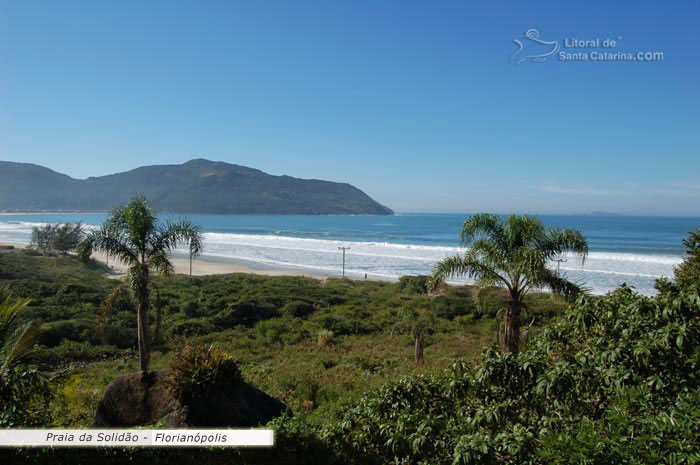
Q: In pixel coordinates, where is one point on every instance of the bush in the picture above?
(25, 396)
(73, 330)
(298, 308)
(199, 370)
(75, 351)
(279, 330)
(58, 237)
(414, 284)
(191, 309)
(615, 381)
(192, 327)
(688, 272)
(341, 325)
(246, 313)
(325, 338)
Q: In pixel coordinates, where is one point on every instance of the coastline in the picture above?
(207, 265)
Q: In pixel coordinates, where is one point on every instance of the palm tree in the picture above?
(16, 340)
(514, 253)
(416, 323)
(133, 235)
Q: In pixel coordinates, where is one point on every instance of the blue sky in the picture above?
(417, 103)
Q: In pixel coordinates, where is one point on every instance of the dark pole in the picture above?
(344, 249)
(190, 263)
(560, 261)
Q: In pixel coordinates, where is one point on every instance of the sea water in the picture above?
(623, 249)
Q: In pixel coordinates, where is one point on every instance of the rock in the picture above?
(246, 406)
(133, 400)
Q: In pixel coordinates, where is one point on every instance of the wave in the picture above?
(602, 270)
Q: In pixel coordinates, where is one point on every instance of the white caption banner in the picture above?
(137, 437)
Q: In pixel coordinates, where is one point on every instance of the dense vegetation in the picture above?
(611, 379)
(313, 344)
(57, 237)
(198, 186)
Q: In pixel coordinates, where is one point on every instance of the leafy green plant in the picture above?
(615, 381)
(687, 273)
(24, 391)
(277, 331)
(199, 369)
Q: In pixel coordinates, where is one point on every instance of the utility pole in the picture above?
(559, 261)
(343, 249)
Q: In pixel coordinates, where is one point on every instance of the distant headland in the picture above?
(197, 186)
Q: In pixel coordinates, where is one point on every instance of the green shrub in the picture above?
(192, 327)
(73, 330)
(615, 381)
(25, 395)
(278, 330)
(414, 284)
(74, 352)
(325, 338)
(298, 308)
(191, 309)
(197, 370)
(341, 325)
(246, 313)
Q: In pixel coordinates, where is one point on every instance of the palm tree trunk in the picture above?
(419, 345)
(143, 334)
(159, 305)
(511, 336)
(140, 288)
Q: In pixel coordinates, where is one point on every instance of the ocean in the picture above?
(623, 249)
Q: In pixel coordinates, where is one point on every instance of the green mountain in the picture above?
(198, 186)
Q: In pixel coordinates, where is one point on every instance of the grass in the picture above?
(271, 325)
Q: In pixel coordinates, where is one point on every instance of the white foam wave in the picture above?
(602, 271)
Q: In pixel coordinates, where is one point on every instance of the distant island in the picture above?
(605, 214)
(197, 186)
(598, 214)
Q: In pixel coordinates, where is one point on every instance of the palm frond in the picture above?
(180, 231)
(558, 284)
(160, 262)
(21, 343)
(483, 225)
(558, 241)
(467, 265)
(112, 242)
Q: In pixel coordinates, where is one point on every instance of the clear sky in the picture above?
(417, 103)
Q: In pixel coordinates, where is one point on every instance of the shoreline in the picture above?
(208, 265)
(213, 265)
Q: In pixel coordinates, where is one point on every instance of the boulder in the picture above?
(136, 399)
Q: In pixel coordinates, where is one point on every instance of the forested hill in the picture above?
(198, 186)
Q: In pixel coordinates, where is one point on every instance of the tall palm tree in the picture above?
(514, 253)
(133, 235)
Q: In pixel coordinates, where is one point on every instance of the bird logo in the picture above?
(532, 48)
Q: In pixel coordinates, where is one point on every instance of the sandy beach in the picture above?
(201, 266)
(208, 265)
(204, 265)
